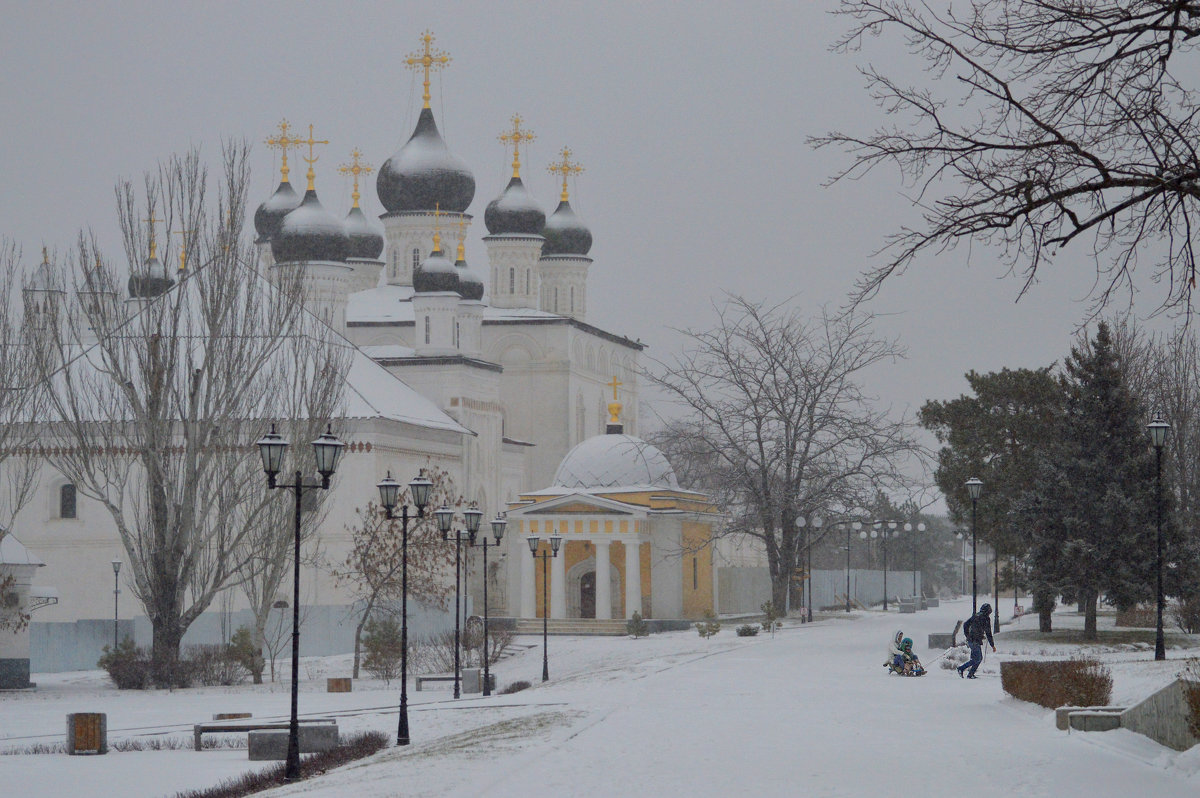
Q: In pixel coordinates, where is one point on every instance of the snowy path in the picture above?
(810, 712)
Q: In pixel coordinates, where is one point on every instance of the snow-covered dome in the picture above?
(44, 278)
(436, 273)
(310, 233)
(365, 241)
(424, 174)
(514, 211)
(152, 280)
(565, 233)
(270, 214)
(615, 461)
(470, 284)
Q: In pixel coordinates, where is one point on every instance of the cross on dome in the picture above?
(428, 60)
(153, 244)
(311, 159)
(515, 137)
(356, 168)
(565, 168)
(183, 234)
(437, 227)
(283, 142)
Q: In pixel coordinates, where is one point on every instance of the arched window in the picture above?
(512, 281)
(456, 335)
(556, 299)
(66, 501)
(426, 329)
(527, 281)
(416, 259)
(396, 263)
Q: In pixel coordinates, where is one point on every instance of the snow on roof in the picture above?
(615, 461)
(392, 304)
(13, 552)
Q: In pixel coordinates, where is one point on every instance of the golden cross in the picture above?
(565, 168)
(462, 237)
(614, 384)
(283, 142)
(311, 159)
(428, 60)
(183, 247)
(515, 137)
(153, 243)
(355, 168)
(45, 256)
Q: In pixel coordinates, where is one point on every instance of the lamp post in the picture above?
(851, 527)
(996, 589)
(389, 494)
(498, 525)
(445, 521)
(555, 542)
(116, 564)
(803, 523)
(1158, 436)
(974, 490)
(327, 449)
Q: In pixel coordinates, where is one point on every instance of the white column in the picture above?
(633, 577)
(558, 583)
(603, 585)
(528, 583)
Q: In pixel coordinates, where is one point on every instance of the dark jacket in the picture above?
(977, 626)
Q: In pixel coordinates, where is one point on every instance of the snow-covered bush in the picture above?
(381, 647)
(128, 666)
(709, 626)
(747, 630)
(515, 687)
(1079, 682)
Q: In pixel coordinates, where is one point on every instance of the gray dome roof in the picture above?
(424, 174)
(310, 233)
(436, 273)
(470, 283)
(270, 214)
(514, 211)
(565, 233)
(365, 241)
(151, 281)
(615, 461)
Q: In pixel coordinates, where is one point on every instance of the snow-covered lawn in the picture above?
(808, 712)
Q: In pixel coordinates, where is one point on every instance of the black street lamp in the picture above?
(851, 527)
(974, 490)
(327, 450)
(389, 494)
(116, 564)
(1158, 436)
(996, 589)
(498, 525)
(803, 523)
(555, 542)
(908, 529)
(445, 522)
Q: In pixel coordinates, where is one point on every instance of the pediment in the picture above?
(578, 504)
(577, 507)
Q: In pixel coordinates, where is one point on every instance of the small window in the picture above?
(426, 329)
(455, 335)
(572, 299)
(556, 300)
(695, 574)
(395, 264)
(527, 281)
(416, 259)
(512, 281)
(66, 501)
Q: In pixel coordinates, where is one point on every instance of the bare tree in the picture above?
(156, 403)
(20, 405)
(1039, 124)
(372, 570)
(776, 423)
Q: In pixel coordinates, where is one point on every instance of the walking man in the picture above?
(975, 628)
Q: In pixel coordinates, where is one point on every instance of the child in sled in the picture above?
(905, 662)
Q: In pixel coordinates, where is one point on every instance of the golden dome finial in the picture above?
(428, 60)
(45, 255)
(565, 168)
(614, 407)
(462, 237)
(355, 168)
(515, 137)
(437, 227)
(153, 243)
(183, 234)
(311, 159)
(284, 141)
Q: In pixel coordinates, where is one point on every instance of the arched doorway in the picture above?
(587, 595)
(581, 590)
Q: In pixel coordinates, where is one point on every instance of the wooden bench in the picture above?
(200, 729)
(422, 679)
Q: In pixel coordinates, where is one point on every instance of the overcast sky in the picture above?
(690, 119)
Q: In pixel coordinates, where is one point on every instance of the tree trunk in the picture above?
(358, 630)
(164, 657)
(1043, 602)
(1089, 618)
(260, 635)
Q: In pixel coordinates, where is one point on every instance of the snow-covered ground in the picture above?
(808, 712)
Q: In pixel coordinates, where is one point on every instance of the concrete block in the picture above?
(931, 603)
(941, 641)
(273, 745)
(1094, 720)
(472, 680)
(87, 733)
(1061, 715)
(907, 607)
(1163, 717)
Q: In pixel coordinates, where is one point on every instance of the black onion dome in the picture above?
(365, 241)
(566, 233)
(514, 211)
(310, 233)
(424, 174)
(436, 273)
(470, 283)
(270, 214)
(151, 281)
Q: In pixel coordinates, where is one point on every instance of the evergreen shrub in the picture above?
(381, 648)
(128, 666)
(637, 627)
(1077, 682)
(747, 630)
(709, 626)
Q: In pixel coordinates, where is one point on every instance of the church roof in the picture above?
(615, 461)
(13, 552)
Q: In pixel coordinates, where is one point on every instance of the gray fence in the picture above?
(324, 630)
(744, 590)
